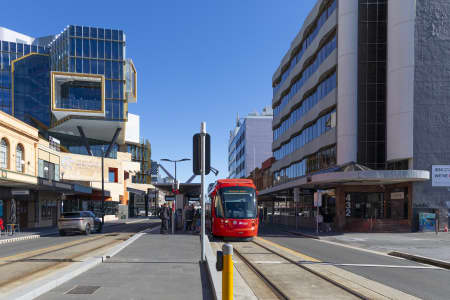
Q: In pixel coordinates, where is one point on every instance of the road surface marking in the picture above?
(385, 266)
(268, 262)
(296, 253)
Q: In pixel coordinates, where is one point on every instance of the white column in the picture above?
(400, 79)
(347, 103)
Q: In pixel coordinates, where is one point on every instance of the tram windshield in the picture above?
(237, 203)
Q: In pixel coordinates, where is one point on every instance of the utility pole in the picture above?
(103, 190)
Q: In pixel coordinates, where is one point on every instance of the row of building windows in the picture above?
(96, 48)
(4, 156)
(322, 125)
(306, 43)
(114, 110)
(20, 49)
(318, 161)
(5, 100)
(111, 69)
(323, 89)
(323, 53)
(96, 33)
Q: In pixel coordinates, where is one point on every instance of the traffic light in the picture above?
(197, 152)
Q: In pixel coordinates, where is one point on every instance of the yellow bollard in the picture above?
(227, 273)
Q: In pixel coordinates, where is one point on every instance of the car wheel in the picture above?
(62, 233)
(87, 230)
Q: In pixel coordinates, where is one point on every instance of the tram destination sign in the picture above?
(440, 175)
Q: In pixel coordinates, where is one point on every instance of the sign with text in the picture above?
(440, 175)
(397, 195)
(318, 199)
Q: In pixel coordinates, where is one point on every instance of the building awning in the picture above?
(82, 189)
(361, 177)
(135, 191)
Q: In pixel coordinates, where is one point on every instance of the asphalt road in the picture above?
(397, 273)
(55, 239)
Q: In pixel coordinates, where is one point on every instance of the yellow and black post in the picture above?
(227, 273)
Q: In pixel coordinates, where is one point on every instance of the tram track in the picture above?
(25, 266)
(269, 272)
(339, 285)
(275, 290)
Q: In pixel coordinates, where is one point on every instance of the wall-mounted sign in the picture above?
(317, 199)
(397, 195)
(348, 206)
(440, 175)
(20, 192)
(296, 194)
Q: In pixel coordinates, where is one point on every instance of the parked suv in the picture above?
(79, 221)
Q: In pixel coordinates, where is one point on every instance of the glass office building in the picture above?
(60, 83)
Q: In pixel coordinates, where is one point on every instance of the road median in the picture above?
(421, 259)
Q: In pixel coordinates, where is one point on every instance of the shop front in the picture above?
(375, 208)
(357, 200)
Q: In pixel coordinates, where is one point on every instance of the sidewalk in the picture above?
(426, 244)
(35, 233)
(153, 267)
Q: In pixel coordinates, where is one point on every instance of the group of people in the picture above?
(191, 218)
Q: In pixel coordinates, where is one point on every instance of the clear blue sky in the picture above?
(196, 60)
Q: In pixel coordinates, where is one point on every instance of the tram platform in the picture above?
(154, 266)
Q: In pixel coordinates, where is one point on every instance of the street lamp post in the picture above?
(173, 207)
(103, 188)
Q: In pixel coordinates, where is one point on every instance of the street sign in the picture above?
(318, 199)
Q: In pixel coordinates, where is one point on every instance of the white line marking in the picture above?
(268, 262)
(387, 266)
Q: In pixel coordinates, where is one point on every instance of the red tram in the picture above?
(233, 209)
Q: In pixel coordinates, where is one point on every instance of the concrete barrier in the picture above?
(213, 274)
(422, 259)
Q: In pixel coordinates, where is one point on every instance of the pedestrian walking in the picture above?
(164, 215)
(197, 220)
(190, 217)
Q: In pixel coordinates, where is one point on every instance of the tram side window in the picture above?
(218, 206)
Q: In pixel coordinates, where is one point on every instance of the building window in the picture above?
(4, 155)
(372, 38)
(19, 159)
(112, 175)
(48, 170)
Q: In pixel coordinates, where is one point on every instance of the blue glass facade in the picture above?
(98, 54)
(31, 89)
(91, 50)
(10, 51)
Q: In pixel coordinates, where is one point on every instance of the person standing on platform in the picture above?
(190, 217)
(164, 215)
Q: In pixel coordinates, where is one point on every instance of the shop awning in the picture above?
(135, 191)
(360, 177)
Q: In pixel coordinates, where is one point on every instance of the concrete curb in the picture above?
(22, 238)
(422, 259)
(212, 272)
(41, 286)
(36, 236)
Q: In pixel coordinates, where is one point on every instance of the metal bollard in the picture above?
(227, 273)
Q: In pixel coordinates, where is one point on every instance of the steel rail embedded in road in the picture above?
(48, 263)
(339, 285)
(266, 280)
